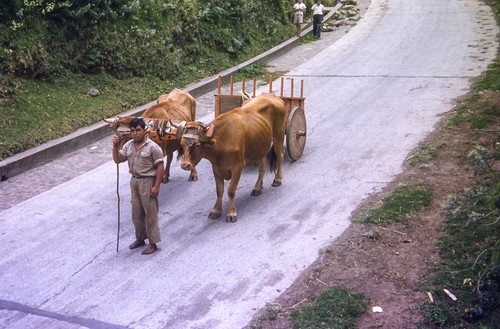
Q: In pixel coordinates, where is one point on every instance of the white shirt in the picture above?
(299, 5)
(318, 9)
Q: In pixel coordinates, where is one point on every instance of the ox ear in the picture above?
(209, 130)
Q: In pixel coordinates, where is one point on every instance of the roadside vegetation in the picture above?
(470, 249)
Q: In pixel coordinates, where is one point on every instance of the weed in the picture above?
(424, 154)
(308, 38)
(271, 313)
(479, 158)
(480, 121)
(254, 71)
(460, 115)
(457, 120)
(492, 111)
(435, 314)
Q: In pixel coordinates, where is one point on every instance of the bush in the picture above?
(43, 38)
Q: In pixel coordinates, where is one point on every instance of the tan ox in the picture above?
(177, 105)
(235, 139)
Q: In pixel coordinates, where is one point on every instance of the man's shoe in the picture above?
(151, 248)
(137, 244)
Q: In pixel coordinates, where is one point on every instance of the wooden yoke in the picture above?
(159, 129)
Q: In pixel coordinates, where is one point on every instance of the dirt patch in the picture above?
(389, 264)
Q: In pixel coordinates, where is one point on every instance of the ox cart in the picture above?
(295, 131)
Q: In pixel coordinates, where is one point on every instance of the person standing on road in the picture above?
(317, 10)
(299, 9)
(145, 162)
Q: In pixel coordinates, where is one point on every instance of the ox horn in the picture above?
(180, 129)
(245, 96)
(113, 123)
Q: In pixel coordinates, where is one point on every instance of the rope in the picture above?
(118, 198)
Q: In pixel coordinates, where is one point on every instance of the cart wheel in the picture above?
(296, 133)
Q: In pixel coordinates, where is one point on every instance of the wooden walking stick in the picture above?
(118, 195)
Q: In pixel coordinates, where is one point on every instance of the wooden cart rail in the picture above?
(227, 102)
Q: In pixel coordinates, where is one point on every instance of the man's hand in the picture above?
(116, 140)
(155, 191)
(115, 152)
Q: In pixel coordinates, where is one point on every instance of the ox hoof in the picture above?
(276, 183)
(214, 214)
(164, 180)
(231, 219)
(256, 192)
(193, 178)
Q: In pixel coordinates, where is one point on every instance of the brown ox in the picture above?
(177, 105)
(235, 139)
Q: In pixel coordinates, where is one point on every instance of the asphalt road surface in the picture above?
(370, 98)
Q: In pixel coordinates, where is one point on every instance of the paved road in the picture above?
(370, 98)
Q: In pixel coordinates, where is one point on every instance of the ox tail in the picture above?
(272, 158)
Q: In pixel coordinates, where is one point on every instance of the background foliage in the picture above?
(44, 38)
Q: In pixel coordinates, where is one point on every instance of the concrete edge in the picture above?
(84, 136)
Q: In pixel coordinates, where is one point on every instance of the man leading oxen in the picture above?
(235, 139)
(177, 105)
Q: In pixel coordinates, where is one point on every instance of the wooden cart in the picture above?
(296, 131)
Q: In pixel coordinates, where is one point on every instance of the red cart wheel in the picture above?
(296, 133)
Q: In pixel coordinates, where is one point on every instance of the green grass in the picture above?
(333, 309)
(491, 79)
(403, 201)
(44, 110)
